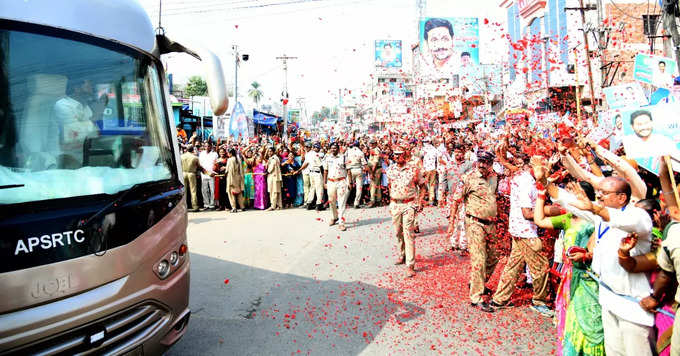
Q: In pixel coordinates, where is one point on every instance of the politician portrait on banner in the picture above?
(449, 46)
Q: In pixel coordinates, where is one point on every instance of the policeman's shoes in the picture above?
(483, 306)
(400, 260)
(502, 306)
(410, 271)
(332, 222)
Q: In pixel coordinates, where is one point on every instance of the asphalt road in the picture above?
(285, 283)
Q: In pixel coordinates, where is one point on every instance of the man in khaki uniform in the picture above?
(374, 174)
(274, 180)
(335, 178)
(356, 162)
(313, 163)
(405, 179)
(190, 166)
(478, 192)
(235, 181)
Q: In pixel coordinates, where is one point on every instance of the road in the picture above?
(285, 283)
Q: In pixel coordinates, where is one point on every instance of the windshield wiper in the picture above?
(8, 186)
(114, 203)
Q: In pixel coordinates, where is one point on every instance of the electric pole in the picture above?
(236, 60)
(582, 8)
(285, 59)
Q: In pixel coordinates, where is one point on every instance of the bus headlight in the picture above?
(174, 257)
(163, 268)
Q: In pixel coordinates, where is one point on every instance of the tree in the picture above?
(196, 86)
(255, 93)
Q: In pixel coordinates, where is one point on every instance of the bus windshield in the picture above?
(78, 118)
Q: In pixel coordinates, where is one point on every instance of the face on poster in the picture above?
(655, 70)
(449, 44)
(628, 94)
(388, 53)
(650, 132)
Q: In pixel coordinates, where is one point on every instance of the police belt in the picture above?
(314, 171)
(483, 221)
(337, 179)
(403, 201)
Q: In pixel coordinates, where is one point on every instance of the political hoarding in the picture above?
(619, 96)
(650, 132)
(220, 127)
(655, 70)
(238, 122)
(449, 46)
(388, 53)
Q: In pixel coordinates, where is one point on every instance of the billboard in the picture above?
(655, 70)
(623, 95)
(650, 132)
(388, 53)
(449, 46)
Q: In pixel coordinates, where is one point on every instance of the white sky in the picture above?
(333, 39)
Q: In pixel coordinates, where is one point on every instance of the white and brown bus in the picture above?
(93, 249)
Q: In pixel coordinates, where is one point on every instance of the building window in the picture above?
(650, 23)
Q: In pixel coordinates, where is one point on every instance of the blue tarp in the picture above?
(261, 118)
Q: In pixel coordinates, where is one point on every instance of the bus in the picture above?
(93, 218)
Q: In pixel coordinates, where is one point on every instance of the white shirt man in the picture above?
(207, 159)
(313, 164)
(429, 157)
(526, 246)
(522, 195)
(626, 324)
(75, 120)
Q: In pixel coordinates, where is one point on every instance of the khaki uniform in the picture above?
(274, 181)
(356, 162)
(315, 178)
(189, 167)
(375, 173)
(479, 196)
(404, 182)
(235, 182)
(338, 190)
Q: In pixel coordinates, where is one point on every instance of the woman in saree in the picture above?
(220, 168)
(578, 311)
(288, 169)
(249, 192)
(300, 196)
(260, 184)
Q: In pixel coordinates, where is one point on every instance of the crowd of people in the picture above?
(593, 234)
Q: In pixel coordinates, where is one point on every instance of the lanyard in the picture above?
(600, 232)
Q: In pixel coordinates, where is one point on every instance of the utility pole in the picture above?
(285, 59)
(582, 8)
(236, 60)
(670, 11)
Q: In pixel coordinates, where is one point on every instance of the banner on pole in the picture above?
(238, 122)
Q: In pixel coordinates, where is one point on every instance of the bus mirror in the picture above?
(214, 78)
(212, 68)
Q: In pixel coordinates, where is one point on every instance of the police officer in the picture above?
(335, 181)
(405, 178)
(356, 163)
(190, 166)
(478, 193)
(313, 163)
(374, 173)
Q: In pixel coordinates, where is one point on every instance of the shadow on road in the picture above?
(372, 221)
(262, 312)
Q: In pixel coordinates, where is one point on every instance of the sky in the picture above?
(333, 40)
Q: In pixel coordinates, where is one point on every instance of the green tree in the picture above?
(196, 86)
(255, 93)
